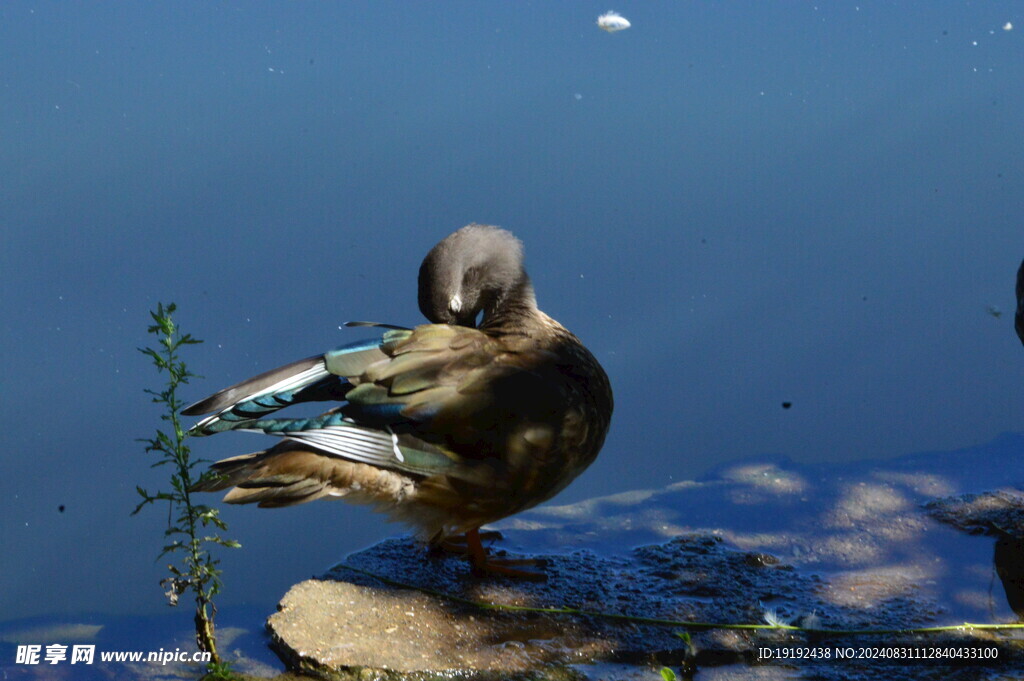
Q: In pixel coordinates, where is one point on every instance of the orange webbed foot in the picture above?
(483, 564)
(459, 543)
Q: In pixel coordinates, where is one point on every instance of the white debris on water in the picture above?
(612, 22)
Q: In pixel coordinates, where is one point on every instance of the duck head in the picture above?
(478, 268)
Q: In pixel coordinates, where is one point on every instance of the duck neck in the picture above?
(513, 306)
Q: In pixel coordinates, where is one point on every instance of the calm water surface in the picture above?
(735, 205)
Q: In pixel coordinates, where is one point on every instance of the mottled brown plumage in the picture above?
(445, 427)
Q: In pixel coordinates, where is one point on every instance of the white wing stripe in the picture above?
(351, 442)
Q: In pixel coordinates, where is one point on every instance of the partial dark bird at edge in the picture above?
(1019, 320)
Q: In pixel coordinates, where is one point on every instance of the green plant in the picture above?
(186, 520)
(220, 671)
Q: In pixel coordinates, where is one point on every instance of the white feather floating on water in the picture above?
(612, 22)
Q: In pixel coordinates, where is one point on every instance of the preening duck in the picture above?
(447, 426)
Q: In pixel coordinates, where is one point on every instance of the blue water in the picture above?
(734, 205)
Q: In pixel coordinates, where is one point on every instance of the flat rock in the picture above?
(996, 514)
(349, 620)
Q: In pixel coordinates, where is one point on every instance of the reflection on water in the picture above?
(240, 637)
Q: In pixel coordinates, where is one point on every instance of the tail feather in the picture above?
(274, 496)
(289, 474)
(275, 477)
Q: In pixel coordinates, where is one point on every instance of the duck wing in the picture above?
(421, 401)
(318, 378)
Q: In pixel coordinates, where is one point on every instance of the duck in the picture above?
(489, 409)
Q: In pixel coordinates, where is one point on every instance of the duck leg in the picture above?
(459, 543)
(483, 564)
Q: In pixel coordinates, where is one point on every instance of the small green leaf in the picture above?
(668, 674)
